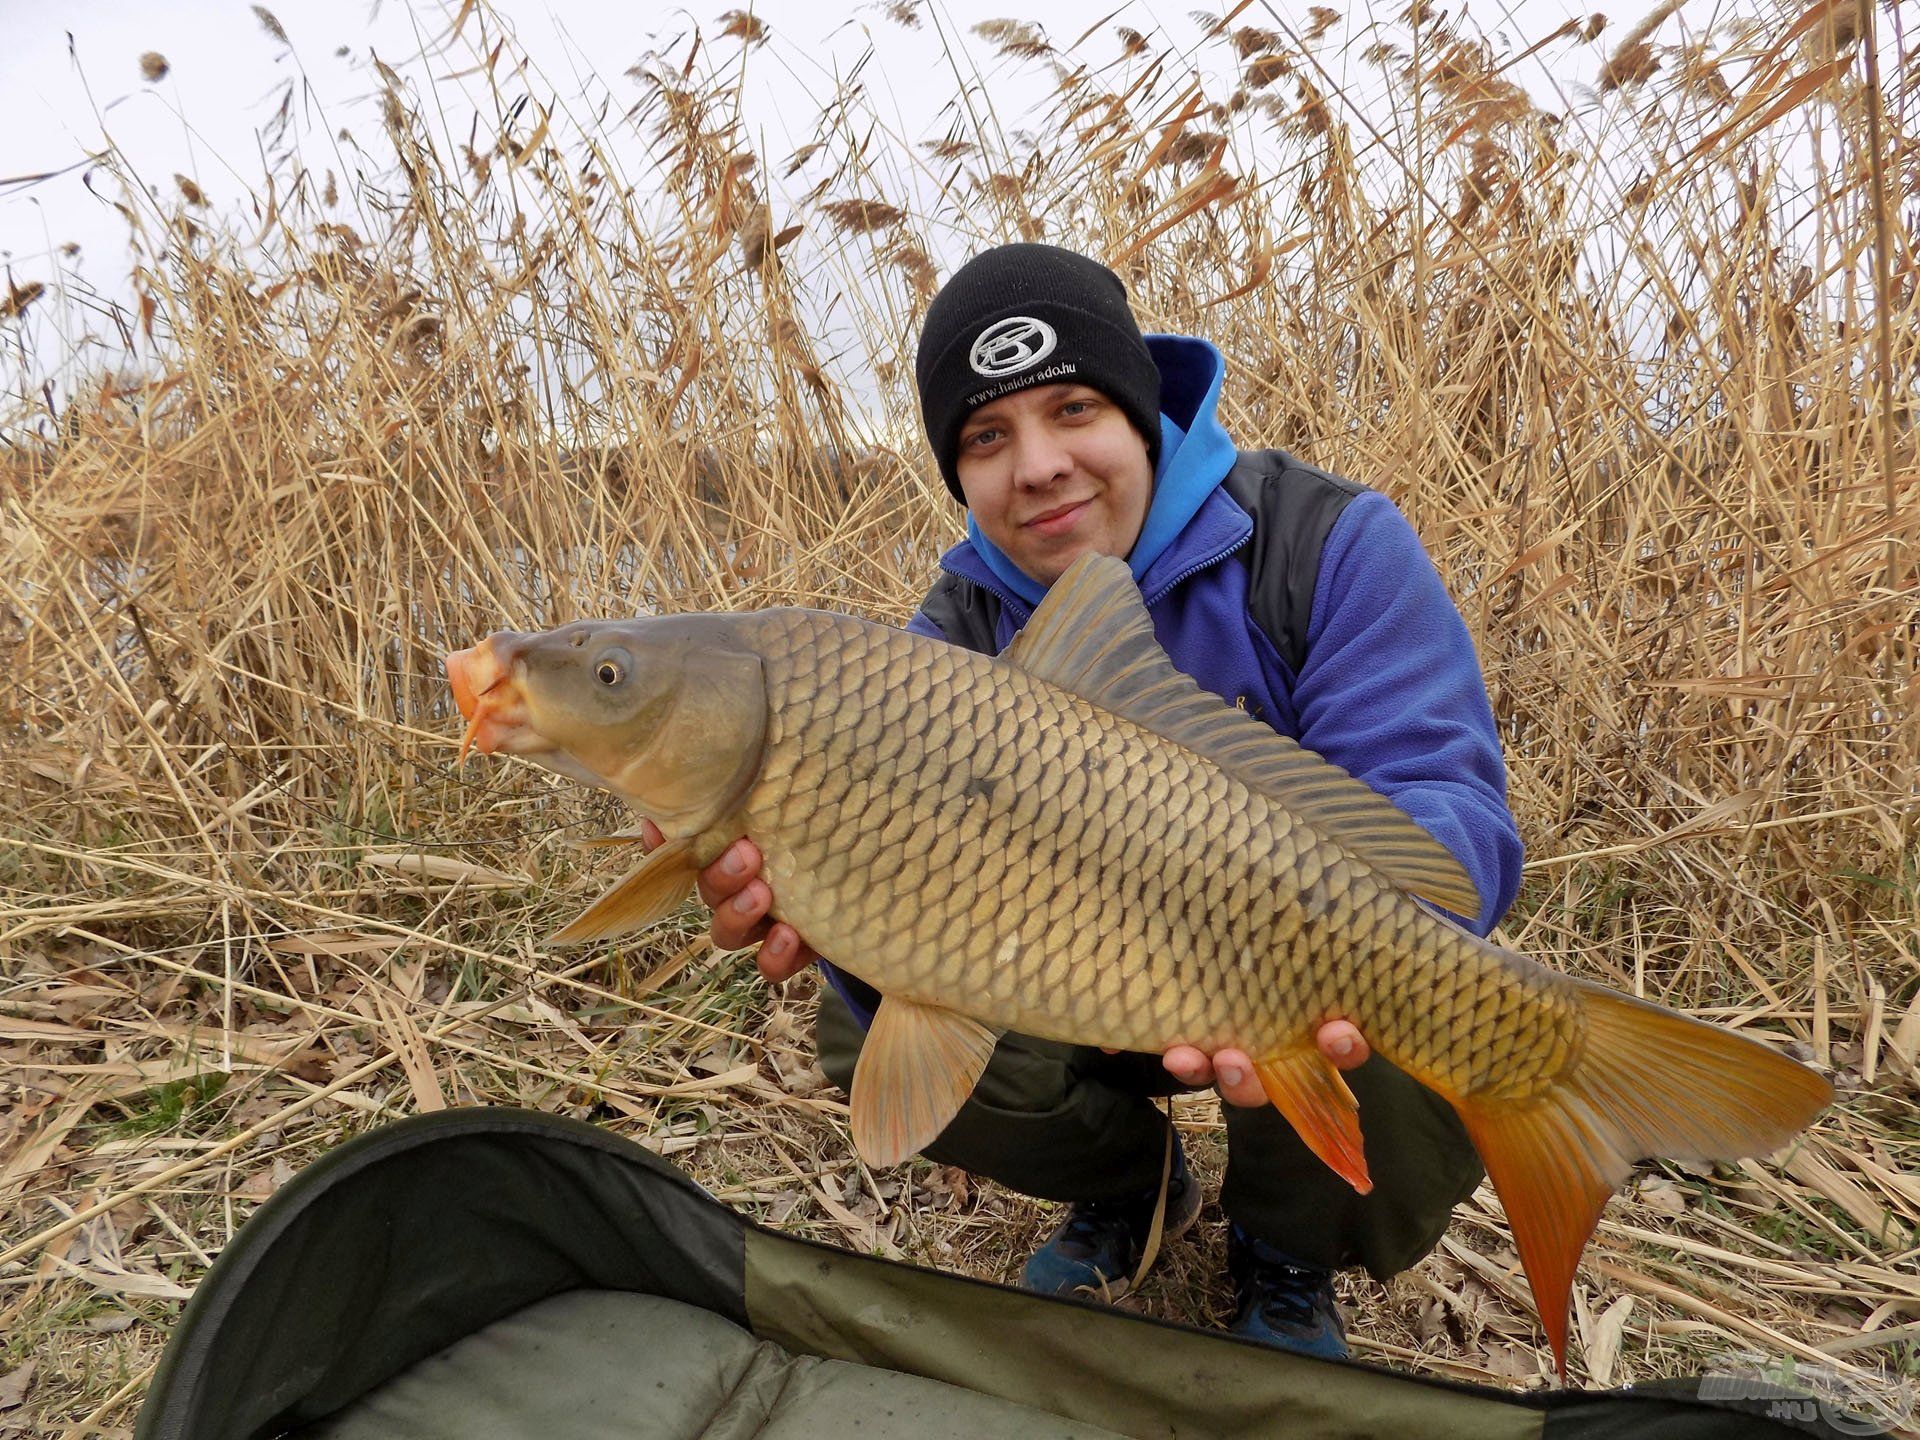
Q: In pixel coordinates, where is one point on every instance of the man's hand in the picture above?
(740, 900)
(1232, 1070)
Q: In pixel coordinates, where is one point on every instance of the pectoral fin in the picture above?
(1305, 1088)
(916, 1069)
(652, 892)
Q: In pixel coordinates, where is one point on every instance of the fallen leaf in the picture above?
(1431, 1323)
(861, 1229)
(1602, 1338)
(13, 1385)
(127, 1282)
(415, 1058)
(334, 942)
(442, 867)
(1662, 1194)
(785, 1027)
(806, 1078)
(38, 1151)
(950, 1181)
(1510, 1362)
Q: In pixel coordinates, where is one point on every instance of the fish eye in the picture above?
(609, 672)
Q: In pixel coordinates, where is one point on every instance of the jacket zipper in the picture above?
(1196, 568)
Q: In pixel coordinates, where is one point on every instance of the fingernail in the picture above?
(742, 903)
(733, 865)
(1231, 1075)
(1342, 1046)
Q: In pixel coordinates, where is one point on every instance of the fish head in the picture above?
(668, 712)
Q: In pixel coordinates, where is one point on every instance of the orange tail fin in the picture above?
(1648, 1082)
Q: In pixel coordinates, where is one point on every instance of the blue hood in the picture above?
(1195, 456)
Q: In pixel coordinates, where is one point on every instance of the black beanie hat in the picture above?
(1023, 315)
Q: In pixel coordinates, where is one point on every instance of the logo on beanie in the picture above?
(1009, 346)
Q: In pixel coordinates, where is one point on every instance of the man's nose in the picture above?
(1038, 458)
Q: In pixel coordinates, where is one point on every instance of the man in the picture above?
(1301, 597)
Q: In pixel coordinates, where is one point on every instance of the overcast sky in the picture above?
(72, 76)
(202, 118)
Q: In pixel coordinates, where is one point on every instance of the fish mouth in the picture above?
(489, 700)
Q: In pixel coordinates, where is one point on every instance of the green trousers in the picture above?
(1066, 1122)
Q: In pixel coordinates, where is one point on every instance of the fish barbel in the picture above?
(1074, 841)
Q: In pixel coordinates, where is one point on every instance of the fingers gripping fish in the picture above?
(1074, 841)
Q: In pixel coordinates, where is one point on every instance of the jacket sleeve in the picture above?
(1391, 692)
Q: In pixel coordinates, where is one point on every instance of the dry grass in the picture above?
(1642, 374)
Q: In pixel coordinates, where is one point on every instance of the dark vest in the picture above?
(1293, 506)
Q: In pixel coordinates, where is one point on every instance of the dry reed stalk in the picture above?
(1639, 393)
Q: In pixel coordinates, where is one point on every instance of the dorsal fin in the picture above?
(1092, 635)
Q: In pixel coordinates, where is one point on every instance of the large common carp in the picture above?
(1074, 841)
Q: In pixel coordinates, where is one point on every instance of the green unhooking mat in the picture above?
(499, 1274)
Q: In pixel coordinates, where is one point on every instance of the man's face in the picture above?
(1054, 473)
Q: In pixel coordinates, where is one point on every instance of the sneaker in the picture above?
(1282, 1302)
(1097, 1247)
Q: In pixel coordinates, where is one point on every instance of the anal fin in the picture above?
(654, 890)
(917, 1068)
(1304, 1087)
(1553, 1193)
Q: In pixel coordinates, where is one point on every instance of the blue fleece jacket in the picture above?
(1390, 689)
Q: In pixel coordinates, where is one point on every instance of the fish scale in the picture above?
(1108, 857)
(1072, 840)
